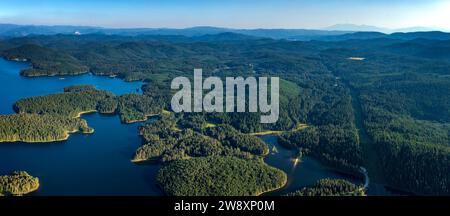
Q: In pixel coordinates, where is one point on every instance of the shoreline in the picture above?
(151, 160)
(66, 134)
(298, 127)
(79, 114)
(31, 190)
(52, 75)
(140, 120)
(277, 188)
(66, 137)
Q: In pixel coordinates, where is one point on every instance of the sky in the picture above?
(310, 14)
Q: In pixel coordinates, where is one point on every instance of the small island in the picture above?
(18, 183)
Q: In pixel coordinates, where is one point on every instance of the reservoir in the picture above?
(99, 163)
(92, 164)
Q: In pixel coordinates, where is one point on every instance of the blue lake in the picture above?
(99, 163)
(14, 87)
(95, 164)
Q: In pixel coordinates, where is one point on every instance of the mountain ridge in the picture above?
(203, 33)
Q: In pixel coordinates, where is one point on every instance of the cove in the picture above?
(95, 164)
(14, 87)
(305, 173)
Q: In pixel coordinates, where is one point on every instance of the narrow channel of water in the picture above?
(304, 173)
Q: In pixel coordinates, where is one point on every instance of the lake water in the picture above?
(99, 163)
(14, 87)
(94, 164)
(304, 173)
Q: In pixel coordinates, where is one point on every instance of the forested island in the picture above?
(377, 102)
(18, 184)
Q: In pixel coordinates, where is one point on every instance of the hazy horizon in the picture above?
(247, 14)
(211, 26)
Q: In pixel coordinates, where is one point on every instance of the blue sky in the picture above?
(228, 13)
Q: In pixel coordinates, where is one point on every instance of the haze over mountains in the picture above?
(369, 28)
(332, 33)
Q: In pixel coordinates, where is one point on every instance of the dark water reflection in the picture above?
(95, 164)
(304, 173)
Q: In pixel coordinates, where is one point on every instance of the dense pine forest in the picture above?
(225, 176)
(39, 128)
(166, 141)
(398, 87)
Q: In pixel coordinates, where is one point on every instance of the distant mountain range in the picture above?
(430, 35)
(25, 30)
(368, 28)
(203, 33)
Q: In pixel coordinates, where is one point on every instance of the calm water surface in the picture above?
(304, 173)
(99, 163)
(95, 164)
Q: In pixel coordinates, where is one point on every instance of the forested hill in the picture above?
(45, 61)
(136, 57)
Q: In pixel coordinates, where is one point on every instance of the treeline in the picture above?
(39, 128)
(330, 187)
(18, 184)
(219, 176)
